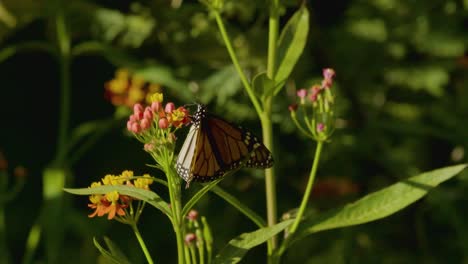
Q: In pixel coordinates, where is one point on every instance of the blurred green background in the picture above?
(402, 94)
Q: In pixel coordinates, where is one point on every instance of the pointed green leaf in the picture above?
(380, 204)
(249, 213)
(291, 44)
(108, 255)
(262, 85)
(235, 250)
(142, 194)
(195, 198)
(115, 250)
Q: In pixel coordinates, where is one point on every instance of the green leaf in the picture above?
(258, 220)
(291, 44)
(235, 250)
(263, 86)
(115, 250)
(108, 255)
(195, 198)
(207, 235)
(142, 194)
(379, 204)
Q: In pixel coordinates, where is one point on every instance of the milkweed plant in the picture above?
(124, 197)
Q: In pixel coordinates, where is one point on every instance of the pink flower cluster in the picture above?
(315, 90)
(141, 118)
(166, 117)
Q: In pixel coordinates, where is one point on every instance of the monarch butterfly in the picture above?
(214, 146)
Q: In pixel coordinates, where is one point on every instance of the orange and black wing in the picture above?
(215, 146)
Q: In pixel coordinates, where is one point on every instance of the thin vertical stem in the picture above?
(177, 224)
(308, 190)
(278, 253)
(235, 61)
(270, 181)
(64, 44)
(267, 129)
(142, 243)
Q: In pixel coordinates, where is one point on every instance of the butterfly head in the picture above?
(199, 114)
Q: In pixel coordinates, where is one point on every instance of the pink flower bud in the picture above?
(156, 106)
(169, 107)
(145, 123)
(192, 215)
(129, 125)
(163, 123)
(302, 93)
(320, 127)
(135, 128)
(189, 238)
(133, 118)
(328, 73)
(314, 92)
(138, 108)
(327, 83)
(292, 108)
(148, 114)
(148, 147)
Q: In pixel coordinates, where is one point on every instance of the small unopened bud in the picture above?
(156, 106)
(320, 127)
(148, 114)
(163, 123)
(148, 147)
(192, 215)
(328, 73)
(138, 109)
(169, 107)
(190, 238)
(292, 108)
(145, 123)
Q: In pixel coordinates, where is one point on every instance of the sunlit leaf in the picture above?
(291, 44)
(141, 194)
(235, 250)
(108, 255)
(379, 204)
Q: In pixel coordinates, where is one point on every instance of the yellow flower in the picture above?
(127, 173)
(95, 198)
(112, 197)
(110, 179)
(95, 184)
(143, 182)
(153, 88)
(157, 97)
(177, 115)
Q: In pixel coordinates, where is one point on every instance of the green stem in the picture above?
(273, 30)
(177, 221)
(308, 191)
(232, 54)
(142, 243)
(270, 182)
(63, 40)
(267, 129)
(32, 242)
(278, 253)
